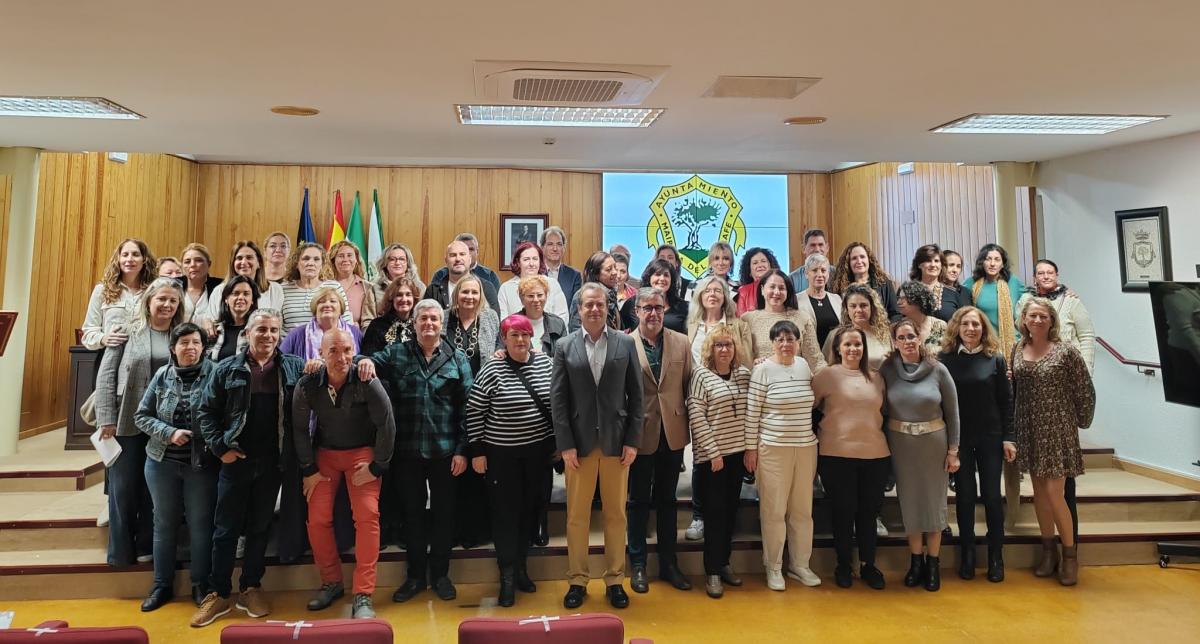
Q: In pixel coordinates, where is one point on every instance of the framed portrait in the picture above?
(1144, 243)
(517, 228)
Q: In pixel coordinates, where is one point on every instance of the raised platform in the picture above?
(42, 465)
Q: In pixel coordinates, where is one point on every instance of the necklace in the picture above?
(470, 338)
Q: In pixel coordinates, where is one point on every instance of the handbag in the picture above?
(87, 411)
(533, 394)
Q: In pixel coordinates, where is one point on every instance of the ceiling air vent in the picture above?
(549, 83)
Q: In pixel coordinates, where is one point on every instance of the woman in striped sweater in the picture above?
(717, 417)
(511, 438)
(781, 447)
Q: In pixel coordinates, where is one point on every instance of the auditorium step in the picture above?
(42, 465)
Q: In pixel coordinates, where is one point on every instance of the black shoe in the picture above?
(966, 561)
(995, 571)
(508, 590)
(638, 580)
(408, 590)
(617, 597)
(541, 537)
(199, 592)
(871, 576)
(326, 595)
(843, 577)
(915, 574)
(575, 596)
(524, 583)
(158, 596)
(933, 574)
(728, 578)
(445, 589)
(947, 532)
(674, 576)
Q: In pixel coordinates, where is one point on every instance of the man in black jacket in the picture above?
(458, 264)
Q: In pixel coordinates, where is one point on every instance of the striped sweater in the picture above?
(779, 406)
(296, 308)
(717, 413)
(500, 411)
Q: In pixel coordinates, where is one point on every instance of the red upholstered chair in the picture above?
(53, 632)
(595, 628)
(321, 631)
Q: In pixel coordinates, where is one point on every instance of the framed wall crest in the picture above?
(1144, 244)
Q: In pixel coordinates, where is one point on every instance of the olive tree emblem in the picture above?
(703, 213)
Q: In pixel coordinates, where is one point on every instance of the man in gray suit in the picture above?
(596, 401)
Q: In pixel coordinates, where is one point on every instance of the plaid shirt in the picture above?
(429, 399)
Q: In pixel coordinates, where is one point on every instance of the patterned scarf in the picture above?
(1004, 313)
(1058, 292)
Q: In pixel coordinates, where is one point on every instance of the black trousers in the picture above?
(983, 455)
(1069, 493)
(854, 487)
(514, 479)
(720, 492)
(653, 479)
(472, 509)
(430, 535)
(246, 491)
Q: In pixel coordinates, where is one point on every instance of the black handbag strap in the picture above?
(532, 393)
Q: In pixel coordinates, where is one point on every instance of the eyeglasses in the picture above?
(722, 346)
(908, 338)
(784, 339)
(653, 308)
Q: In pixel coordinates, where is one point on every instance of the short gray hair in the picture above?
(429, 303)
(263, 313)
(553, 230)
(647, 292)
(815, 260)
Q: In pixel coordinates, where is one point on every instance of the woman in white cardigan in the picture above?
(527, 261)
(821, 305)
(1075, 325)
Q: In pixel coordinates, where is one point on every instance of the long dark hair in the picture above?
(226, 314)
(789, 303)
(979, 273)
(663, 266)
(744, 267)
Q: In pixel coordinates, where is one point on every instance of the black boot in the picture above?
(933, 574)
(508, 589)
(966, 561)
(542, 537)
(915, 571)
(995, 572)
(524, 583)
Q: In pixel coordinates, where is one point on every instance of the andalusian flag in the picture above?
(375, 236)
(354, 231)
(337, 227)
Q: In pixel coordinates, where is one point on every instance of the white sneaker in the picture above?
(805, 576)
(695, 531)
(145, 558)
(880, 529)
(102, 518)
(240, 552)
(775, 580)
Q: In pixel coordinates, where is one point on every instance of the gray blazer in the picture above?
(489, 334)
(589, 416)
(121, 381)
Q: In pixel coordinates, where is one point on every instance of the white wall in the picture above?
(1079, 197)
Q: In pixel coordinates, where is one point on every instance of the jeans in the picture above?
(130, 509)
(653, 479)
(984, 455)
(854, 488)
(246, 492)
(178, 489)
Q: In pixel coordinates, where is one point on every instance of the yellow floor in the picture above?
(1111, 604)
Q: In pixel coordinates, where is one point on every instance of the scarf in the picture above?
(1059, 291)
(313, 334)
(1004, 313)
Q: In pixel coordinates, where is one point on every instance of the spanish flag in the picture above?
(337, 227)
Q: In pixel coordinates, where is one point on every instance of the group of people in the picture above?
(387, 410)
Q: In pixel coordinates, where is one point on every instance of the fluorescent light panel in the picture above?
(1044, 123)
(545, 115)
(76, 107)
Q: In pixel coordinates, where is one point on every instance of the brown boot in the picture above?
(1049, 562)
(1068, 572)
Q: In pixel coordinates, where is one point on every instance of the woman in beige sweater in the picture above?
(777, 302)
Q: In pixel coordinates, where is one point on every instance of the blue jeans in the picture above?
(130, 510)
(176, 489)
(246, 491)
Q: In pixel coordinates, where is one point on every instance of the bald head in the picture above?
(337, 350)
(458, 259)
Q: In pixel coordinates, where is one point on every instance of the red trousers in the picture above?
(364, 503)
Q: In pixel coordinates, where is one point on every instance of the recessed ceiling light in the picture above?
(77, 107)
(292, 110)
(805, 120)
(1044, 123)
(545, 115)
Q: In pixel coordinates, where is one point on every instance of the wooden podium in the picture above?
(82, 381)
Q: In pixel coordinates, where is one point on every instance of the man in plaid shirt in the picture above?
(428, 382)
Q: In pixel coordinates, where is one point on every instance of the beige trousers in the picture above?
(596, 468)
(785, 499)
(1012, 494)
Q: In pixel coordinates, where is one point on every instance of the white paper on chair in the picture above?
(108, 448)
(6, 619)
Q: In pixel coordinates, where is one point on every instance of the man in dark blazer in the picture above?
(596, 401)
(458, 263)
(554, 249)
(665, 359)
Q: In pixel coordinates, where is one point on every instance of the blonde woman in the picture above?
(348, 271)
(170, 267)
(113, 301)
(712, 305)
(397, 261)
(308, 270)
(278, 247)
(125, 371)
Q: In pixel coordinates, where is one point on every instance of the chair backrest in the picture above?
(321, 631)
(58, 631)
(596, 628)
